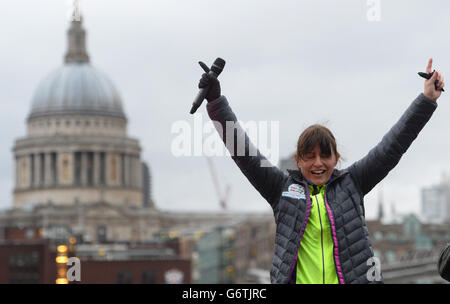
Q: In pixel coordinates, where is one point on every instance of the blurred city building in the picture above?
(436, 202)
(407, 247)
(229, 250)
(36, 262)
(213, 248)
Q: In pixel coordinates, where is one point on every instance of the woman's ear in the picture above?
(297, 160)
(338, 157)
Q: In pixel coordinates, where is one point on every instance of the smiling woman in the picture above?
(317, 154)
(321, 235)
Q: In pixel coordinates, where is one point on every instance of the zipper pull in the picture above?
(315, 190)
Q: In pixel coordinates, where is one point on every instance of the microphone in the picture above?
(215, 71)
(428, 76)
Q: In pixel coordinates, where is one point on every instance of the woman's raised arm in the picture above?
(372, 168)
(268, 180)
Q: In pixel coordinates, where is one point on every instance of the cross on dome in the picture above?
(76, 14)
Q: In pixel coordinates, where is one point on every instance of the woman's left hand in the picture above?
(431, 91)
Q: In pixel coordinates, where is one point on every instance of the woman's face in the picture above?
(317, 167)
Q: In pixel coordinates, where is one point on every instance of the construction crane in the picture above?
(223, 199)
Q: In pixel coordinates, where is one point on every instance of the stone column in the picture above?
(103, 173)
(65, 168)
(127, 170)
(17, 172)
(96, 165)
(74, 167)
(114, 166)
(30, 171)
(122, 169)
(131, 171)
(24, 171)
(135, 172)
(107, 168)
(138, 172)
(47, 168)
(37, 170)
(56, 180)
(84, 168)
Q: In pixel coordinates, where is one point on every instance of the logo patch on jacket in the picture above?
(294, 191)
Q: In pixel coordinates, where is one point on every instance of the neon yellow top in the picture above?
(315, 264)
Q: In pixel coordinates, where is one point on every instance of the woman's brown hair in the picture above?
(316, 135)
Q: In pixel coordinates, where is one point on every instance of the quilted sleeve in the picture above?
(267, 179)
(371, 169)
(444, 263)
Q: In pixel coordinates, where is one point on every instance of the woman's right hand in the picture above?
(206, 80)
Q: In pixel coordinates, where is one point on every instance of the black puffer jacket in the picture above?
(444, 263)
(343, 198)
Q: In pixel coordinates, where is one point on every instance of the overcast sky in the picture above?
(296, 62)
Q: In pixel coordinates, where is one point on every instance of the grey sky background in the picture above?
(296, 62)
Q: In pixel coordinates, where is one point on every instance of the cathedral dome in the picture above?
(76, 88)
(77, 150)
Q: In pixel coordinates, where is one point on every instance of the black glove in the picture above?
(214, 89)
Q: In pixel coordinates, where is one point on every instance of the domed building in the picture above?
(76, 149)
(79, 175)
(79, 181)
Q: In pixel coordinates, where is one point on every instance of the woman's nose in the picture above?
(318, 161)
